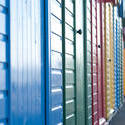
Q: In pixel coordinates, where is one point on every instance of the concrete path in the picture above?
(119, 119)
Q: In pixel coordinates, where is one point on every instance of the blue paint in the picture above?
(114, 33)
(27, 48)
(48, 63)
(54, 94)
(26, 69)
(120, 9)
(116, 55)
(4, 62)
(117, 61)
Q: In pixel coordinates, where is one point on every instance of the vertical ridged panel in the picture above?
(73, 63)
(94, 63)
(118, 61)
(117, 58)
(80, 95)
(121, 62)
(112, 92)
(115, 39)
(102, 60)
(101, 72)
(70, 64)
(27, 62)
(87, 62)
(4, 62)
(118, 55)
(107, 59)
(99, 62)
(124, 67)
(56, 94)
(101, 84)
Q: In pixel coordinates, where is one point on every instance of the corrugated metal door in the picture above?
(118, 60)
(94, 63)
(122, 56)
(87, 61)
(121, 63)
(69, 62)
(99, 62)
(55, 95)
(114, 39)
(101, 88)
(111, 45)
(124, 67)
(80, 83)
(117, 72)
(4, 62)
(108, 60)
(73, 62)
(27, 62)
(117, 56)
(102, 60)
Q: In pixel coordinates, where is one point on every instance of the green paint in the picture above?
(73, 65)
(87, 66)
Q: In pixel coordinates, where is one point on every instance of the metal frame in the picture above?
(63, 56)
(49, 94)
(97, 62)
(43, 55)
(9, 59)
(48, 61)
(86, 42)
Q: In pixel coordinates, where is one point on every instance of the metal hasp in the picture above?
(72, 46)
(79, 31)
(94, 63)
(27, 102)
(4, 63)
(87, 62)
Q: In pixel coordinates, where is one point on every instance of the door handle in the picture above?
(99, 46)
(109, 60)
(79, 31)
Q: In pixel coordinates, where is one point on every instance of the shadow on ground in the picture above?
(119, 119)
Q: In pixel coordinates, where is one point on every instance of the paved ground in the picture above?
(119, 119)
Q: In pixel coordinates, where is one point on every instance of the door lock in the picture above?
(109, 60)
(79, 31)
(99, 46)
